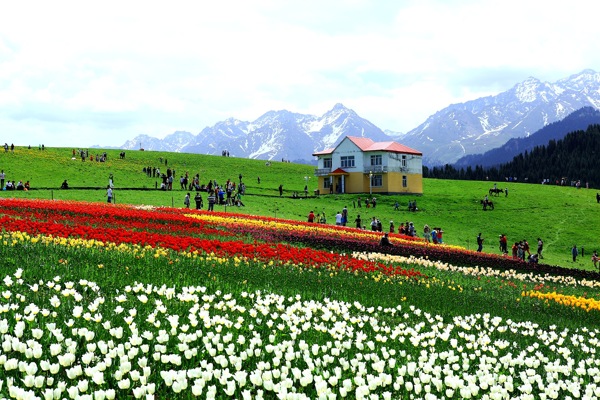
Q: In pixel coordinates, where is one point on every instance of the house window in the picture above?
(376, 160)
(404, 181)
(376, 180)
(347, 161)
(327, 163)
(403, 161)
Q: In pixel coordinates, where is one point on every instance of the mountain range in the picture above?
(449, 136)
(578, 120)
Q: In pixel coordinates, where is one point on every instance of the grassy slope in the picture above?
(562, 216)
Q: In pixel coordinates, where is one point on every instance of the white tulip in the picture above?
(124, 383)
(83, 385)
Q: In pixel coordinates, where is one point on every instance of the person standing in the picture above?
(525, 244)
(358, 222)
(109, 194)
(439, 235)
(411, 229)
(427, 233)
(595, 259)
(374, 224)
(323, 219)
(540, 248)
(503, 244)
(338, 218)
(479, 243)
(198, 200)
(344, 216)
(280, 190)
(2, 177)
(186, 201)
(574, 253)
(515, 250)
(211, 200)
(311, 216)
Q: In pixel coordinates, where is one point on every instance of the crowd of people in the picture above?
(520, 250)
(12, 185)
(228, 194)
(431, 235)
(85, 154)
(369, 202)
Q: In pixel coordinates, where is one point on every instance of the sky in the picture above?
(77, 73)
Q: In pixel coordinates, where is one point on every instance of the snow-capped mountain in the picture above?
(459, 130)
(578, 120)
(276, 135)
(486, 123)
(174, 142)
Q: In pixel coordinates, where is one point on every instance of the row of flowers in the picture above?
(588, 304)
(542, 280)
(184, 224)
(352, 239)
(72, 339)
(284, 254)
(584, 303)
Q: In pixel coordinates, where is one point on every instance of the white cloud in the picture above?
(78, 73)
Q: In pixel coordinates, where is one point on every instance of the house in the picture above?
(360, 165)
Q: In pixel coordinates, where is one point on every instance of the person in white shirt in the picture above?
(338, 218)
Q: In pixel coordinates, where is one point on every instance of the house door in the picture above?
(340, 186)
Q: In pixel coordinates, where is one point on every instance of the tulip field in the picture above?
(105, 301)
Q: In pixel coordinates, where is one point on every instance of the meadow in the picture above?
(140, 299)
(109, 301)
(561, 216)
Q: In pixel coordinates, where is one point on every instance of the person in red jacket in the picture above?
(311, 216)
(503, 244)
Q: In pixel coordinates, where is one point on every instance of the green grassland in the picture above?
(561, 216)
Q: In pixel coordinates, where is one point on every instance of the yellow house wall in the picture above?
(393, 182)
(354, 182)
(357, 182)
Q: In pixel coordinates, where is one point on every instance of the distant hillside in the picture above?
(573, 158)
(578, 120)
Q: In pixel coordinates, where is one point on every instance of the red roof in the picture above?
(366, 144)
(339, 171)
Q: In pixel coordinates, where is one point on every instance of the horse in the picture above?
(486, 204)
(496, 192)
